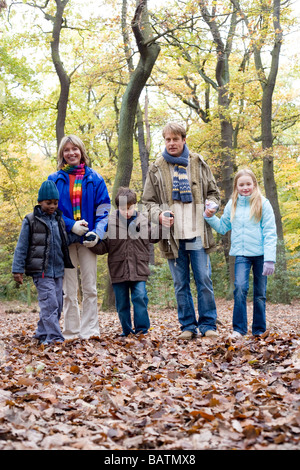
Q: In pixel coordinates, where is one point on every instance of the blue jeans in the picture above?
(50, 298)
(139, 300)
(243, 265)
(192, 252)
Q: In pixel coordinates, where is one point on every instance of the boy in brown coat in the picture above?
(127, 244)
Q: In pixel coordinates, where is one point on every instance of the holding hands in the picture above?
(91, 239)
(81, 228)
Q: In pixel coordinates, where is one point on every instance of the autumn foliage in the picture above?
(153, 391)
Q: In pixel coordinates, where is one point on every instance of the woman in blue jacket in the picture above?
(85, 204)
(250, 218)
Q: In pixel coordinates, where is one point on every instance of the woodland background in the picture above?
(114, 72)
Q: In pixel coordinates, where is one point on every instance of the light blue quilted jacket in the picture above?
(248, 237)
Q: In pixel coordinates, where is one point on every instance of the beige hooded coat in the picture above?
(157, 197)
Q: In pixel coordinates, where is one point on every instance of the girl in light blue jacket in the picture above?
(250, 218)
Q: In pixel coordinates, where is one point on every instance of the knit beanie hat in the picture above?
(48, 190)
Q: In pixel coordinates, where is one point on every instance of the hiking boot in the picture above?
(236, 335)
(187, 334)
(210, 333)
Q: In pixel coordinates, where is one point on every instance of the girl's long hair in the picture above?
(75, 141)
(255, 199)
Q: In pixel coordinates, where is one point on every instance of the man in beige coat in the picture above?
(177, 185)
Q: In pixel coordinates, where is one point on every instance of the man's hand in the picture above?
(210, 208)
(166, 218)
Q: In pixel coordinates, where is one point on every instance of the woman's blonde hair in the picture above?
(255, 199)
(75, 141)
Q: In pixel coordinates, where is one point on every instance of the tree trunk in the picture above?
(143, 143)
(268, 158)
(226, 139)
(64, 79)
(143, 150)
(268, 85)
(138, 79)
(130, 104)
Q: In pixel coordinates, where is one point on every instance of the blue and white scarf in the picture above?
(181, 190)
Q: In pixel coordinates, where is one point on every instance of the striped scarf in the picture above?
(181, 187)
(79, 172)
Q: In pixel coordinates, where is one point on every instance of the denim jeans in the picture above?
(50, 298)
(191, 252)
(139, 300)
(243, 265)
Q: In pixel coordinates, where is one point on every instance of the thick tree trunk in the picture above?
(227, 158)
(138, 79)
(143, 150)
(130, 105)
(268, 85)
(268, 158)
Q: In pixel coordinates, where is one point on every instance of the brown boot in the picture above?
(210, 333)
(187, 335)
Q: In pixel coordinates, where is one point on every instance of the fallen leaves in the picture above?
(152, 391)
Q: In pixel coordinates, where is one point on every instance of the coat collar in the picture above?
(88, 174)
(37, 212)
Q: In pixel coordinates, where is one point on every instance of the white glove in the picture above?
(80, 227)
(94, 238)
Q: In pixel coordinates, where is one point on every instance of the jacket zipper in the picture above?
(46, 241)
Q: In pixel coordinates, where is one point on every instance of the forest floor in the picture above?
(151, 392)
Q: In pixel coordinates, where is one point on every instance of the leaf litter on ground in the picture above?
(151, 391)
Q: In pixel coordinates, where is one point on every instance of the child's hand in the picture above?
(90, 239)
(268, 268)
(18, 277)
(209, 212)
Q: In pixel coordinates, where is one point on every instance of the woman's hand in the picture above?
(80, 227)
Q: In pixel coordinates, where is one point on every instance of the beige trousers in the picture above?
(84, 324)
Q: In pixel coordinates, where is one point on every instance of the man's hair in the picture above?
(174, 128)
(125, 197)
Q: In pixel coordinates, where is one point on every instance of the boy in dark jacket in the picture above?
(42, 252)
(127, 244)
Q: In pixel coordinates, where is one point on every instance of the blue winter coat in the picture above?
(95, 204)
(248, 237)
